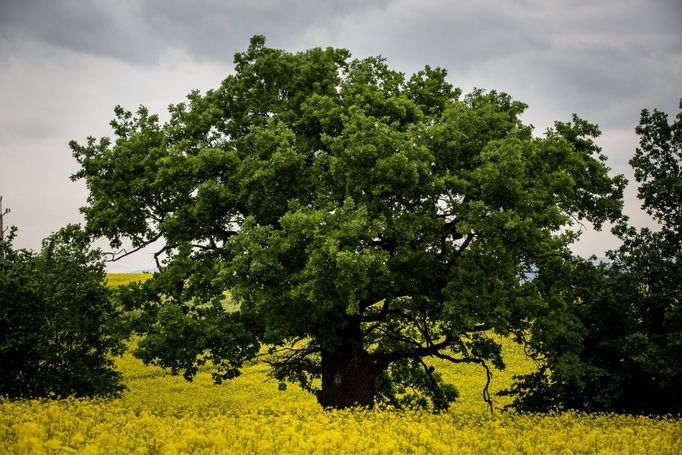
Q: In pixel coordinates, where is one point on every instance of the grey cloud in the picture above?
(603, 60)
(141, 31)
(411, 33)
(608, 84)
(449, 34)
(90, 27)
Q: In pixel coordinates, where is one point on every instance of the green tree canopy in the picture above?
(360, 219)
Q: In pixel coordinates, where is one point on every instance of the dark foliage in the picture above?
(58, 327)
(611, 334)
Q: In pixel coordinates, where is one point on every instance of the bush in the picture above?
(610, 335)
(610, 341)
(58, 327)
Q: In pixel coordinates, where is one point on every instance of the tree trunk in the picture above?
(348, 377)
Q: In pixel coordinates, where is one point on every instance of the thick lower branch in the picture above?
(378, 316)
(382, 360)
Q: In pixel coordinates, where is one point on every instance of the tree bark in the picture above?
(348, 376)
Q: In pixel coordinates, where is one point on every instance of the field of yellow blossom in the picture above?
(118, 279)
(164, 414)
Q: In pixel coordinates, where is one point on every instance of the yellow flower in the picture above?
(165, 414)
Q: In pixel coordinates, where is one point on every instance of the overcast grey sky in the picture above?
(64, 65)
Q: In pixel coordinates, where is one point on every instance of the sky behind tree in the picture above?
(64, 65)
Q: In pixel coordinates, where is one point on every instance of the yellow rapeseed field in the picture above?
(165, 414)
(118, 279)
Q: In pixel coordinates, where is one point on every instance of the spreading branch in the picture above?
(467, 241)
(382, 360)
(488, 374)
(118, 255)
(378, 316)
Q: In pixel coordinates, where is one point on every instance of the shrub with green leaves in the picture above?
(58, 327)
(611, 334)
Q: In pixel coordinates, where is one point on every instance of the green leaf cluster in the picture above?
(610, 334)
(58, 327)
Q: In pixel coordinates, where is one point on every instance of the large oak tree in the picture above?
(362, 221)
